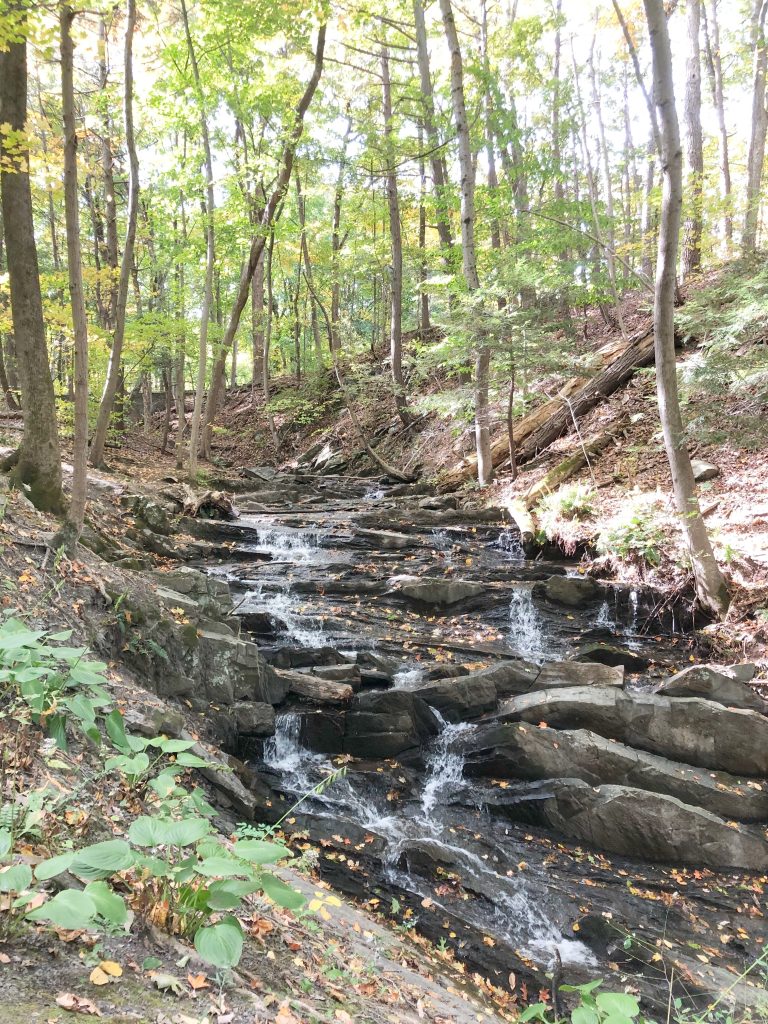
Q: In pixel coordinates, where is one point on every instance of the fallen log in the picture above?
(614, 365)
(564, 470)
(520, 515)
(321, 691)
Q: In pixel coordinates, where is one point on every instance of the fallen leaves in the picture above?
(105, 972)
(77, 1004)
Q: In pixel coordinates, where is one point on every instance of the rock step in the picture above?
(517, 750)
(689, 729)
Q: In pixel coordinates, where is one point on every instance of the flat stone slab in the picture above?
(726, 684)
(579, 673)
(518, 750)
(688, 729)
(440, 592)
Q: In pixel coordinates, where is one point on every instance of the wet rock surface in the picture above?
(502, 786)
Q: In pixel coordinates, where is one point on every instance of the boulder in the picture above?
(508, 677)
(387, 724)
(704, 470)
(516, 750)
(579, 673)
(253, 718)
(635, 823)
(720, 683)
(340, 673)
(152, 515)
(312, 687)
(231, 669)
(574, 591)
(263, 624)
(212, 595)
(459, 699)
(386, 540)
(610, 654)
(440, 592)
(692, 730)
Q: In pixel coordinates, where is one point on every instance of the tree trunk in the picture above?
(73, 526)
(756, 155)
(308, 271)
(110, 200)
(396, 248)
(268, 335)
(210, 254)
(469, 256)
(711, 588)
(437, 159)
(113, 369)
(179, 375)
(257, 323)
(38, 461)
(694, 143)
(715, 72)
(423, 263)
(337, 244)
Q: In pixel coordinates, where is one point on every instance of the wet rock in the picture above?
(574, 591)
(446, 672)
(322, 730)
(263, 624)
(231, 669)
(579, 673)
(610, 654)
(460, 699)
(387, 724)
(253, 718)
(440, 592)
(519, 751)
(692, 730)
(312, 687)
(378, 662)
(634, 822)
(439, 502)
(704, 470)
(386, 540)
(302, 657)
(724, 684)
(340, 673)
(508, 677)
(152, 515)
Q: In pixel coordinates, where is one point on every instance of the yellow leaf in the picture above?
(99, 977)
(111, 968)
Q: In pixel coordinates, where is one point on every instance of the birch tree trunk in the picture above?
(37, 462)
(694, 143)
(468, 251)
(113, 369)
(711, 588)
(70, 533)
(210, 254)
(756, 154)
(715, 72)
(396, 248)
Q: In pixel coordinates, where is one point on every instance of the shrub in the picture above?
(636, 534)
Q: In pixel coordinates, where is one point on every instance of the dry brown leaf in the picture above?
(285, 1015)
(197, 981)
(69, 1001)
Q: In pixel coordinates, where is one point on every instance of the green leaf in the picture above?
(81, 707)
(53, 866)
(618, 1003)
(108, 904)
(536, 1011)
(226, 895)
(16, 878)
(102, 859)
(192, 761)
(56, 726)
(171, 746)
(584, 1015)
(116, 730)
(132, 766)
(259, 852)
(282, 894)
(221, 944)
(6, 841)
(227, 867)
(156, 831)
(69, 909)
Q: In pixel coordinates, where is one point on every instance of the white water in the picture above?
(284, 543)
(509, 542)
(283, 606)
(526, 631)
(408, 679)
(605, 618)
(444, 767)
(374, 493)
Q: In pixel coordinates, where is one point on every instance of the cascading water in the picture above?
(526, 632)
(278, 601)
(294, 545)
(508, 542)
(444, 766)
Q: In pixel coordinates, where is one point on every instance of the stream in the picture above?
(315, 572)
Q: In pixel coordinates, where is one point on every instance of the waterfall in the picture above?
(526, 632)
(444, 767)
(278, 602)
(296, 545)
(508, 542)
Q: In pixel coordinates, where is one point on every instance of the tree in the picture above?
(73, 526)
(694, 142)
(37, 461)
(112, 381)
(756, 155)
(468, 251)
(711, 588)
